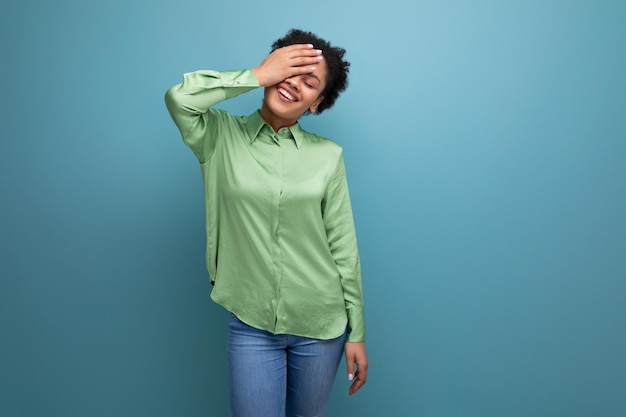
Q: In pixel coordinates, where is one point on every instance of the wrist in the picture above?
(259, 76)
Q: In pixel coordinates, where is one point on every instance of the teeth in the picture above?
(286, 94)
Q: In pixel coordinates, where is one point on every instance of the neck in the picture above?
(274, 121)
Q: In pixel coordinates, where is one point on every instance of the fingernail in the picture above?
(319, 51)
(319, 57)
(313, 68)
(350, 377)
(310, 45)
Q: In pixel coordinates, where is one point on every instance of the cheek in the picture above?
(313, 97)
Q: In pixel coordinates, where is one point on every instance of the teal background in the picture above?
(485, 146)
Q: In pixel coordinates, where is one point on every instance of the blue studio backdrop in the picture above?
(485, 143)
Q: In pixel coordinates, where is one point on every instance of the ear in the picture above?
(316, 103)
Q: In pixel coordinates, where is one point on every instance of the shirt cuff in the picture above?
(233, 80)
(356, 324)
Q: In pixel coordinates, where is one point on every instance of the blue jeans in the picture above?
(279, 375)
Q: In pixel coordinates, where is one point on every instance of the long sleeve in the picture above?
(190, 102)
(341, 234)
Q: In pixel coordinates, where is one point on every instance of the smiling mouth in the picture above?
(286, 94)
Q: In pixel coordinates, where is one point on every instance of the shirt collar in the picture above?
(255, 125)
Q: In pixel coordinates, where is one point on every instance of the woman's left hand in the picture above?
(355, 355)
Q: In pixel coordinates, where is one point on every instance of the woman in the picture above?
(281, 245)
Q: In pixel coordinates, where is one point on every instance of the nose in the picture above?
(292, 83)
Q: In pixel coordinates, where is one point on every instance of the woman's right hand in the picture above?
(287, 62)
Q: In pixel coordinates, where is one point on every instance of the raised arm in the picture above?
(189, 103)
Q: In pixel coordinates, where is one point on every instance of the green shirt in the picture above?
(281, 245)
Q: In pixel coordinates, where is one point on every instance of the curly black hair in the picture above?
(338, 68)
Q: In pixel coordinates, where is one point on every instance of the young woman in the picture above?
(281, 246)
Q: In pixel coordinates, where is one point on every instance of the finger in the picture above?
(302, 61)
(362, 371)
(304, 53)
(297, 46)
(294, 71)
(302, 66)
(296, 50)
(360, 378)
(356, 385)
(350, 366)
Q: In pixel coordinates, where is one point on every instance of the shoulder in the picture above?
(321, 143)
(225, 119)
(222, 114)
